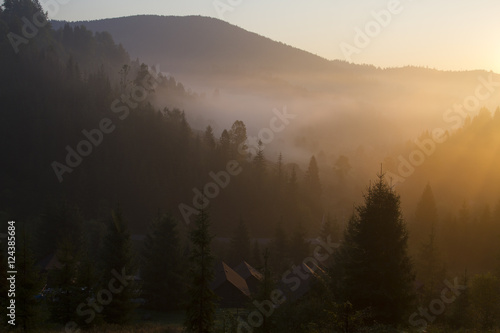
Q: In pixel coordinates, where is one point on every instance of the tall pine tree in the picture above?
(312, 192)
(200, 311)
(209, 138)
(376, 273)
(265, 289)
(162, 271)
(313, 184)
(118, 260)
(426, 217)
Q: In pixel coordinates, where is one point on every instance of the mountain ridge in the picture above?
(107, 23)
(219, 37)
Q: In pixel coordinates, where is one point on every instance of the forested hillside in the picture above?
(57, 89)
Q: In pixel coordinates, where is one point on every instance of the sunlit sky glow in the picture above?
(444, 34)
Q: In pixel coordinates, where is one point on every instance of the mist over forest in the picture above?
(368, 115)
(167, 146)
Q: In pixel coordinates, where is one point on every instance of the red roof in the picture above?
(224, 273)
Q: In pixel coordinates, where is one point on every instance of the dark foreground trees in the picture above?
(200, 311)
(162, 269)
(373, 270)
(118, 272)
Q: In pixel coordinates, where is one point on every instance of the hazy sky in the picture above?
(444, 34)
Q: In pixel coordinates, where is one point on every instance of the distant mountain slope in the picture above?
(203, 51)
(193, 42)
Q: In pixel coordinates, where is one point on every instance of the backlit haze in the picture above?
(447, 35)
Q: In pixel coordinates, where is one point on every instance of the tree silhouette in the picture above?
(259, 164)
(426, 216)
(313, 184)
(200, 311)
(118, 259)
(238, 137)
(209, 138)
(373, 265)
(162, 271)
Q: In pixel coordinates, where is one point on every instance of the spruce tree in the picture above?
(162, 269)
(312, 191)
(238, 133)
(342, 168)
(431, 271)
(280, 174)
(224, 146)
(313, 184)
(200, 311)
(265, 289)
(426, 216)
(292, 188)
(259, 164)
(209, 138)
(238, 137)
(118, 261)
(375, 271)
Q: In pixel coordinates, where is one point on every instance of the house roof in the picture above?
(224, 273)
(245, 270)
